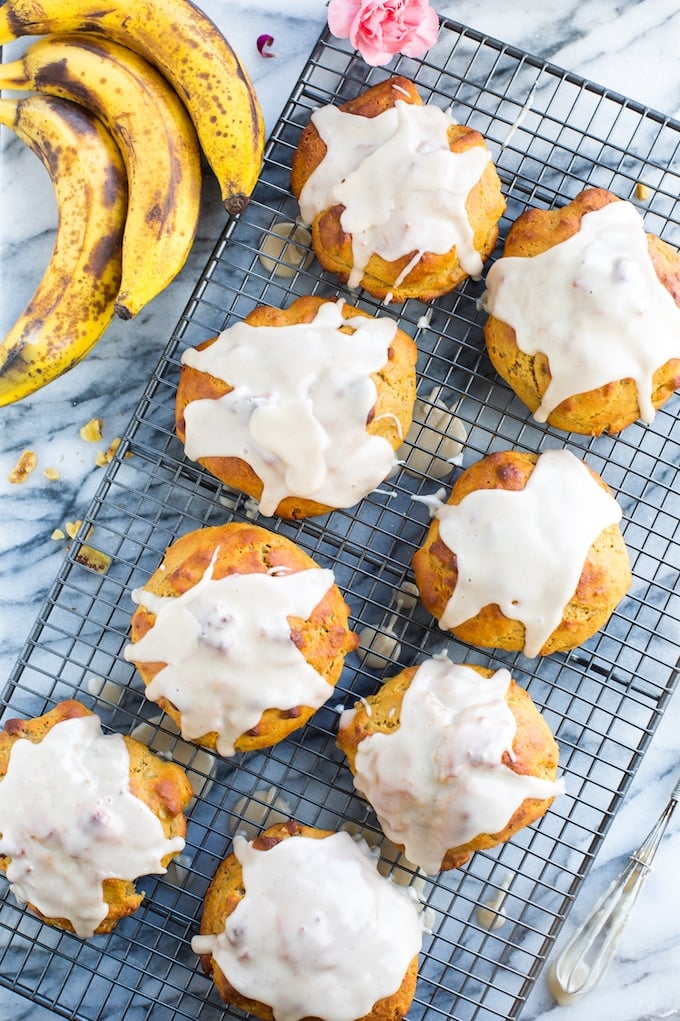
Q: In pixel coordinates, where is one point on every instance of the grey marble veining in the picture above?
(630, 47)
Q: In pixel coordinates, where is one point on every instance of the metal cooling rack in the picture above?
(551, 134)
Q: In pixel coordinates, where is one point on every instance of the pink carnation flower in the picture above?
(380, 28)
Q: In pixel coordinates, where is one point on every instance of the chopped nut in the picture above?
(93, 558)
(52, 474)
(72, 528)
(58, 534)
(642, 192)
(24, 466)
(103, 457)
(92, 432)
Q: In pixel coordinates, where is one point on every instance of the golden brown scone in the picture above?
(434, 274)
(324, 639)
(162, 786)
(535, 752)
(390, 418)
(226, 891)
(611, 407)
(604, 580)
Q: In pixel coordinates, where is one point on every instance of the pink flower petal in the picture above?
(263, 41)
(341, 16)
(380, 28)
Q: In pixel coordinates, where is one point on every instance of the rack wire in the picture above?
(551, 134)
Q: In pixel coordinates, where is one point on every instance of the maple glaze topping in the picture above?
(438, 780)
(69, 820)
(524, 550)
(593, 305)
(319, 933)
(229, 652)
(302, 395)
(402, 188)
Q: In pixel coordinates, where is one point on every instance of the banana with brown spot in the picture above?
(74, 302)
(156, 138)
(192, 53)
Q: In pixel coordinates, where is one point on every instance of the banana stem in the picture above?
(12, 75)
(8, 113)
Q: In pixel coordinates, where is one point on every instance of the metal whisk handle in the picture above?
(583, 961)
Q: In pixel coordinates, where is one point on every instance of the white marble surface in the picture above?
(626, 45)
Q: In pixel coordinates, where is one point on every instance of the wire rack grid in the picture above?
(551, 134)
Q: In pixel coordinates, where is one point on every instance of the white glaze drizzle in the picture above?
(402, 189)
(228, 650)
(319, 933)
(437, 781)
(69, 821)
(593, 305)
(525, 550)
(297, 414)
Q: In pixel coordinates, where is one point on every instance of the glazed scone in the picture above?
(401, 199)
(82, 816)
(239, 636)
(584, 315)
(299, 924)
(452, 758)
(302, 408)
(526, 554)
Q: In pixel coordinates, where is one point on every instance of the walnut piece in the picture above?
(92, 431)
(72, 528)
(93, 558)
(23, 468)
(103, 457)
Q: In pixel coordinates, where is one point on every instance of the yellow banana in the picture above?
(157, 141)
(74, 302)
(189, 49)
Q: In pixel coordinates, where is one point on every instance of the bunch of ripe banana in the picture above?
(127, 95)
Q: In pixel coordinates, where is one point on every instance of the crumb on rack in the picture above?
(92, 431)
(93, 558)
(23, 468)
(642, 192)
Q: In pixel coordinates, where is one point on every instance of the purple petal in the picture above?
(262, 42)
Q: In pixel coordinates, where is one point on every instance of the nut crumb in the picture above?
(104, 457)
(92, 432)
(94, 559)
(23, 468)
(52, 474)
(72, 528)
(642, 192)
(57, 534)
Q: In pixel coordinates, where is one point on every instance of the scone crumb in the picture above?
(105, 456)
(642, 192)
(72, 528)
(58, 534)
(52, 474)
(23, 468)
(94, 559)
(92, 431)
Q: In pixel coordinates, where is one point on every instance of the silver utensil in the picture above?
(584, 960)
